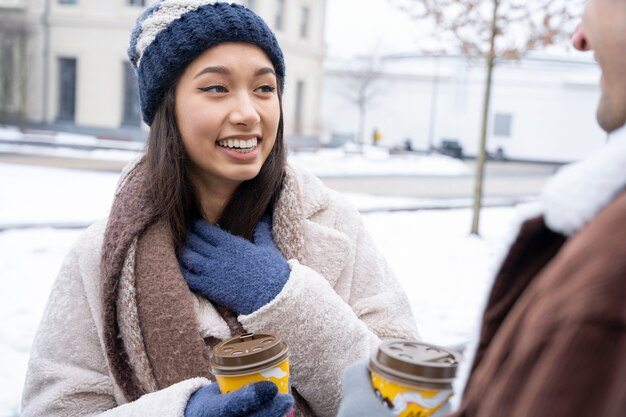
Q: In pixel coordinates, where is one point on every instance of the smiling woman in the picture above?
(211, 235)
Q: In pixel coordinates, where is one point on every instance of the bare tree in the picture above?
(361, 88)
(494, 30)
(13, 69)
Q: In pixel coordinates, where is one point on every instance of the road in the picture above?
(502, 179)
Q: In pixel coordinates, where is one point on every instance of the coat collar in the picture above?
(579, 191)
(316, 197)
(304, 196)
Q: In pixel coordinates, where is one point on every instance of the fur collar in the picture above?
(579, 191)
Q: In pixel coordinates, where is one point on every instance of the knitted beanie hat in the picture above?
(170, 34)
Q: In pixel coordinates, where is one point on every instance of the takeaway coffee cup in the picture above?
(413, 378)
(249, 358)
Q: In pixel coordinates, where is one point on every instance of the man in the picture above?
(553, 337)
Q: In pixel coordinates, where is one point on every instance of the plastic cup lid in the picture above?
(248, 353)
(414, 362)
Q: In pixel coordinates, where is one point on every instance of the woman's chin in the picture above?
(243, 174)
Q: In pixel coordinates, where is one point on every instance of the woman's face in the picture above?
(227, 112)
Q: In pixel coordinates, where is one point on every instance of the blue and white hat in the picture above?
(170, 34)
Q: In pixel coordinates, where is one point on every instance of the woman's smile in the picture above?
(240, 148)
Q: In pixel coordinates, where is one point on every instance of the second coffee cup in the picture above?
(413, 378)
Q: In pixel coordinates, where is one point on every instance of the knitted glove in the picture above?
(231, 271)
(255, 400)
(359, 399)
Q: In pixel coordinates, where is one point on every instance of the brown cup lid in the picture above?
(247, 354)
(411, 362)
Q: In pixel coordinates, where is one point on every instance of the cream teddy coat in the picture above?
(339, 301)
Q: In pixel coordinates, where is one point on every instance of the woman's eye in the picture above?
(266, 89)
(214, 89)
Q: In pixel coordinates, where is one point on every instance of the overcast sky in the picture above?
(361, 26)
(375, 26)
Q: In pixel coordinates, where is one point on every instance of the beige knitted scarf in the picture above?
(151, 332)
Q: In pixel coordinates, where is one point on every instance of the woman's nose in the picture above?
(244, 112)
(579, 40)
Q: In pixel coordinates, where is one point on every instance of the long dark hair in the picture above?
(174, 197)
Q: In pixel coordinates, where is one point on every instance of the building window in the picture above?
(304, 23)
(280, 14)
(502, 124)
(250, 4)
(7, 77)
(299, 106)
(68, 1)
(138, 3)
(67, 88)
(132, 111)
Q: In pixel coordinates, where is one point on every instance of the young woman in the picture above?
(211, 235)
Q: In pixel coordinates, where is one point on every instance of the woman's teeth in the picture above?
(240, 145)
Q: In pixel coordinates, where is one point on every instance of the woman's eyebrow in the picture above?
(213, 70)
(264, 70)
(226, 71)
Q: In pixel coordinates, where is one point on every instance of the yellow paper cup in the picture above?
(413, 379)
(250, 358)
(279, 375)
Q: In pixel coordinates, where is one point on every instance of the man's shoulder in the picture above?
(603, 236)
(586, 281)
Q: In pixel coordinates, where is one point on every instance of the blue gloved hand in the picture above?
(359, 399)
(231, 271)
(255, 400)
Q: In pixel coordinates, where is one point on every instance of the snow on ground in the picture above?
(375, 161)
(39, 195)
(445, 272)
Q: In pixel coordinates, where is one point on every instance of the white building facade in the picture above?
(19, 33)
(78, 72)
(541, 109)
